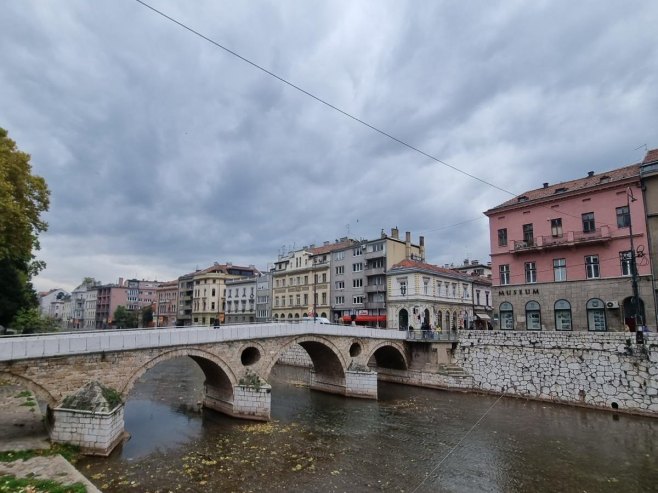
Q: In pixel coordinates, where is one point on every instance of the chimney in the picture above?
(421, 241)
(395, 233)
(407, 247)
(545, 184)
(121, 281)
(466, 261)
(590, 173)
(382, 235)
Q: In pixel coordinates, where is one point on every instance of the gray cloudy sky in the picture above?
(164, 153)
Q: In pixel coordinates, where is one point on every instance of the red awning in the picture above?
(371, 318)
(346, 318)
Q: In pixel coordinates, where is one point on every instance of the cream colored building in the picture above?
(301, 282)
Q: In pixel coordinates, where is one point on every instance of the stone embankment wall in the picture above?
(296, 355)
(607, 370)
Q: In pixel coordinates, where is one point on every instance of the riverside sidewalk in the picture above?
(22, 428)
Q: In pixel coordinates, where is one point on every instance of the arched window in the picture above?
(596, 315)
(506, 316)
(439, 318)
(563, 315)
(296, 315)
(323, 315)
(276, 316)
(403, 319)
(532, 315)
(290, 315)
(454, 319)
(447, 320)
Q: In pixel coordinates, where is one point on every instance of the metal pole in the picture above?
(636, 299)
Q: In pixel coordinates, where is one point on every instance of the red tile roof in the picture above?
(417, 264)
(573, 186)
(651, 157)
(331, 247)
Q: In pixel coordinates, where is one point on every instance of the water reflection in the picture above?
(323, 442)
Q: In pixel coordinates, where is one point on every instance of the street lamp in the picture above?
(636, 298)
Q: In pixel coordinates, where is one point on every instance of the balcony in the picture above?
(372, 255)
(375, 305)
(570, 239)
(375, 288)
(375, 271)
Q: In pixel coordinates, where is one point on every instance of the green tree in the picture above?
(125, 319)
(23, 198)
(30, 321)
(147, 316)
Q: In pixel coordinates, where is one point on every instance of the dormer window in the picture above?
(522, 198)
(560, 190)
(604, 179)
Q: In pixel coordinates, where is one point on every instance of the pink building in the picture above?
(166, 308)
(109, 297)
(561, 255)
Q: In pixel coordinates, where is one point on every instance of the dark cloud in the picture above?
(164, 153)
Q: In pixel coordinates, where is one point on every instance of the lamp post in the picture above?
(633, 266)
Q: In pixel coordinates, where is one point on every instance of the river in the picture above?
(411, 439)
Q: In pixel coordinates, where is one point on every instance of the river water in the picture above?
(410, 440)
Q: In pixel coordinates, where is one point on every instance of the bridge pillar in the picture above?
(355, 384)
(96, 433)
(361, 384)
(246, 402)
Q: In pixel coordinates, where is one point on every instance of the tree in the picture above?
(23, 198)
(124, 319)
(30, 321)
(147, 316)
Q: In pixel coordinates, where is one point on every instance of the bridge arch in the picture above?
(326, 356)
(38, 390)
(388, 355)
(217, 373)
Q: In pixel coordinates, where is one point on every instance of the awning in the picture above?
(371, 318)
(483, 316)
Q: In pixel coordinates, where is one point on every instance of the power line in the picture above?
(335, 108)
(324, 102)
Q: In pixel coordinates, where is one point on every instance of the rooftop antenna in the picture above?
(640, 147)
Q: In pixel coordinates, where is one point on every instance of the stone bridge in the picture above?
(236, 362)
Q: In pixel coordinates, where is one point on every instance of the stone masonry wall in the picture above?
(94, 433)
(595, 369)
(296, 356)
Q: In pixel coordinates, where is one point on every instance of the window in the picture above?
(530, 272)
(506, 316)
(596, 315)
(528, 234)
(562, 315)
(357, 283)
(556, 227)
(532, 316)
(340, 300)
(626, 259)
(589, 225)
(340, 284)
(592, 266)
(339, 255)
(305, 299)
(378, 247)
(340, 269)
(403, 286)
(623, 217)
(324, 277)
(324, 298)
(502, 237)
(559, 269)
(358, 300)
(358, 267)
(426, 285)
(504, 274)
(213, 292)
(305, 279)
(299, 300)
(357, 251)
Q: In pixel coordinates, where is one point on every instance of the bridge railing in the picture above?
(433, 335)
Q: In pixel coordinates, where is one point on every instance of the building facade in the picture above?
(166, 307)
(561, 255)
(649, 177)
(51, 303)
(358, 287)
(473, 268)
(264, 297)
(423, 296)
(108, 298)
(240, 300)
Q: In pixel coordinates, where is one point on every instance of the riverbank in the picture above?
(25, 450)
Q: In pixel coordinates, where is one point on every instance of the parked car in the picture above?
(322, 320)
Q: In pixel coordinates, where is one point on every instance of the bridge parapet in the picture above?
(70, 343)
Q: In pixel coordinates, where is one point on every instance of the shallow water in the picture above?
(411, 439)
